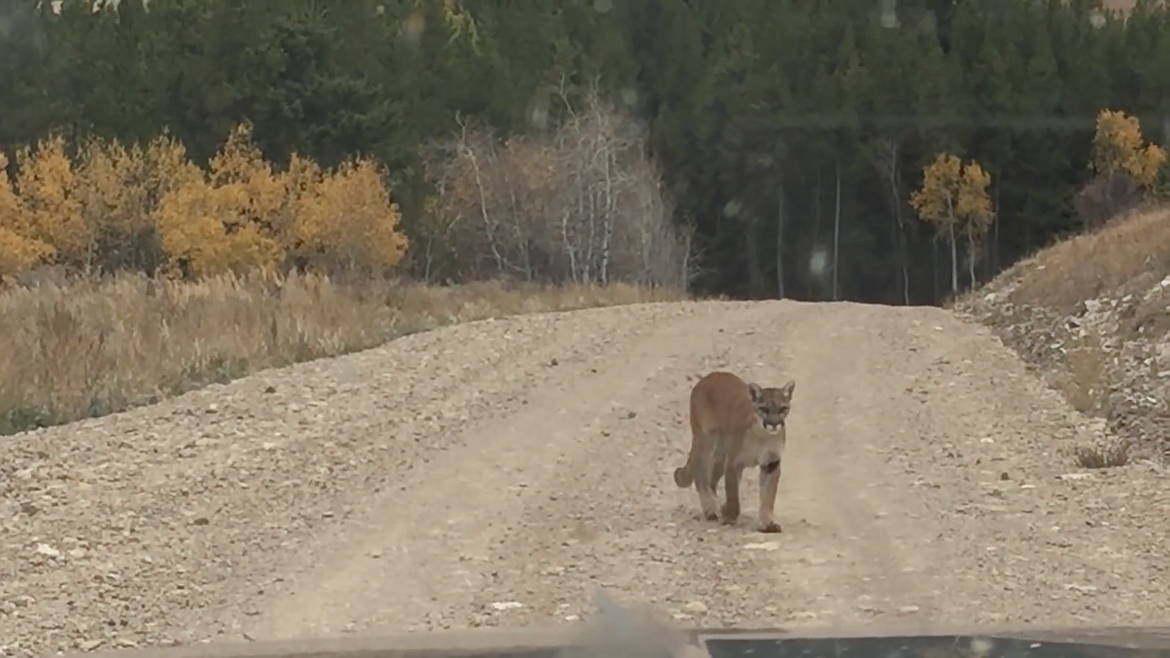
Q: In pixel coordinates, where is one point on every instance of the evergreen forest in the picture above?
(784, 139)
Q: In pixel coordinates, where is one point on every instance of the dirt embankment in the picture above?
(495, 473)
(1092, 316)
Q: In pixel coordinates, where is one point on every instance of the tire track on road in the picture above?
(434, 536)
(634, 532)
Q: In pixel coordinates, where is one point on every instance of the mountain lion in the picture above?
(734, 425)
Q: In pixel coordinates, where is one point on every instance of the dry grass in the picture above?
(86, 348)
(1111, 455)
(1131, 252)
(1088, 373)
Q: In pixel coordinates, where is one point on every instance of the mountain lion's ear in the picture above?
(756, 391)
(788, 388)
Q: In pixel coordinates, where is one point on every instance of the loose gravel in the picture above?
(497, 473)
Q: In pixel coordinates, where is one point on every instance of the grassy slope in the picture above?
(1092, 314)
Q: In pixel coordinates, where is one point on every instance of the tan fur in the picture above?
(734, 425)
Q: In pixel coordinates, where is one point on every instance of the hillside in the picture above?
(1092, 315)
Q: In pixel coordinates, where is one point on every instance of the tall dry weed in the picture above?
(83, 348)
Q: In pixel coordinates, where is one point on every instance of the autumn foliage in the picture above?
(150, 209)
(1125, 169)
(954, 198)
(1118, 146)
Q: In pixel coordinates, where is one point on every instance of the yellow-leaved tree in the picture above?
(120, 190)
(1118, 146)
(954, 198)
(1125, 169)
(47, 188)
(975, 211)
(20, 250)
(344, 220)
(151, 209)
(111, 205)
(217, 222)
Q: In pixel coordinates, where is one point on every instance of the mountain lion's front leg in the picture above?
(730, 511)
(769, 484)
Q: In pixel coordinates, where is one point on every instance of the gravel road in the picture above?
(497, 473)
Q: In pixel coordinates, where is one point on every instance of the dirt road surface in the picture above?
(497, 473)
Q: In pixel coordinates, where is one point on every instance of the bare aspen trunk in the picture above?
(995, 228)
(522, 241)
(756, 281)
(428, 259)
(645, 243)
(591, 237)
(954, 259)
(780, 238)
(934, 270)
(569, 247)
(836, 226)
(888, 164)
(488, 224)
(903, 249)
(816, 241)
(971, 257)
(610, 210)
